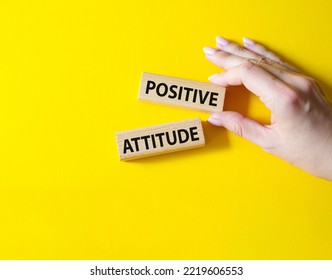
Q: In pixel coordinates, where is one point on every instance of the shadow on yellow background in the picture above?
(69, 80)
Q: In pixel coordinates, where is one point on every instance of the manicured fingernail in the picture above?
(215, 121)
(209, 50)
(248, 41)
(222, 41)
(212, 77)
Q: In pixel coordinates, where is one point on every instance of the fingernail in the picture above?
(248, 41)
(214, 121)
(212, 77)
(222, 41)
(209, 50)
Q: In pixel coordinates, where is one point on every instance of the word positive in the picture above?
(181, 93)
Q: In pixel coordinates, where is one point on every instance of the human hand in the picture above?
(301, 118)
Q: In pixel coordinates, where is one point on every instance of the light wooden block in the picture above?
(181, 93)
(160, 139)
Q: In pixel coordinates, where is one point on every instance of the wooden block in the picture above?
(181, 93)
(159, 139)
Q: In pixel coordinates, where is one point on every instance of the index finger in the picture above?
(267, 87)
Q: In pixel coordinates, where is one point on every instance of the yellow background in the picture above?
(69, 79)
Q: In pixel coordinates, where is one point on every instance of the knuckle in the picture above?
(291, 98)
(240, 49)
(223, 55)
(308, 84)
(236, 49)
(238, 130)
(247, 66)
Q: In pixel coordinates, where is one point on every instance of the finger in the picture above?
(244, 127)
(246, 52)
(227, 60)
(292, 79)
(222, 59)
(272, 91)
(235, 49)
(262, 51)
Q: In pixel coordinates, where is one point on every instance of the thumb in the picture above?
(243, 127)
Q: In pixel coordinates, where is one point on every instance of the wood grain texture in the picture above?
(160, 139)
(181, 93)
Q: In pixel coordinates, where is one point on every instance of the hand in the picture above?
(301, 118)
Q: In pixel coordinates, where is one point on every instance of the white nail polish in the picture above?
(209, 50)
(222, 41)
(212, 77)
(248, 41)
(214, 121)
